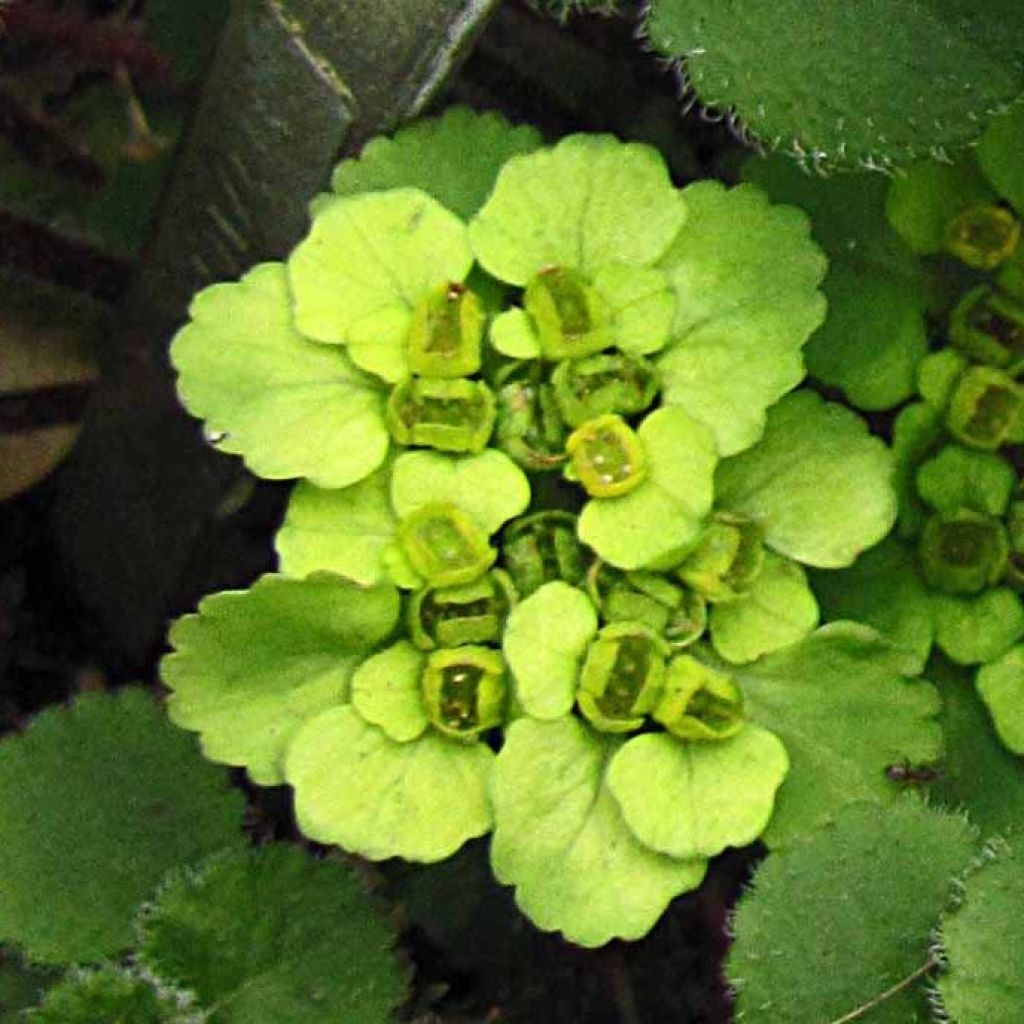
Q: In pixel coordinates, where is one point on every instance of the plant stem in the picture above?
(867, 1007)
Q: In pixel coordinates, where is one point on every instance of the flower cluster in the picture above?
(957, 560)
(542, 572)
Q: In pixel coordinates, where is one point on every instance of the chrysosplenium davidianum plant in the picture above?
(542, 573)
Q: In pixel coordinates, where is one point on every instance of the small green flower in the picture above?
(603, 384)
(425, 518)
(982, 236)
(464, 690)
(727, 560)
(698, 702)
(606, 457)
(963, 553)
(986, 409)
(471, 613)
(531, 429)
(621, 678)
(450, 415)
(444, 545)
(675, 613)
(446, 332)
(988, 326)
(542, 548)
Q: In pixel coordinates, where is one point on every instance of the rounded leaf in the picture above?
(843, 705)
(97, 802)
(661, 517)
(365, 263)
(546, 637)
(1001, 685)
(252, 665)
(560, 838)
(818, 482)
(883, 589)
(490, 487)
(584, 203)
(455, 158)
(746, 275)
(363, 791)
(975, 629)
(273, 936)
(345, 531)
(289, 407)
(778, 609)
(1001, 155)
(386, 691)
(693, 800)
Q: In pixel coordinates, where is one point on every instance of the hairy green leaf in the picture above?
(843, 704)
(455, 158)
(872, 885)
(251, 666)
(273, 936)
(587, 202)
(778, 609)
(982, 938)
(871, 83)
(545, 638)
(818, 482)
(560, 838)
(97, 801)
(746, 275)
(289, 407)
(113, 994)
(692, 800)
(356, 787)
(365, 263)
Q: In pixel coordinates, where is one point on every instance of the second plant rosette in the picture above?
(543, 571)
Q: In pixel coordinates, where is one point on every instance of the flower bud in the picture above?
(963, 553)
(446, 333)
(602, 384)
(699, 703)
(464, 690)
(530, 428)
(542, 548)
(607, 457)
(445, 545)
(568, 313)
(988, 326)
(473, 613)
(982, 236)
(676, 614)
(727, 560)
(986, 409)
(450, 415)
(621, 677)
